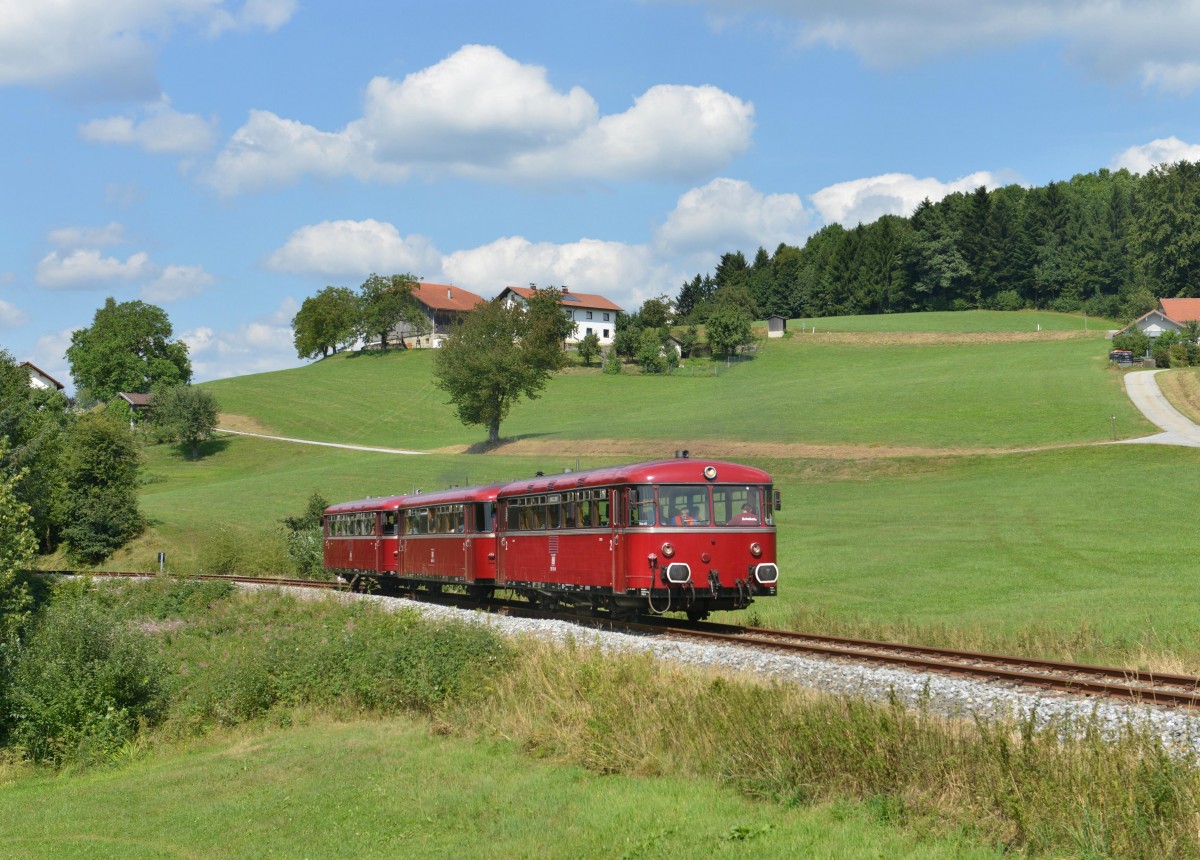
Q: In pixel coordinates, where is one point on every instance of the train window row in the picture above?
(692, 505)
(350, 525)
(359, 525)
(439, 520)
(573, 509)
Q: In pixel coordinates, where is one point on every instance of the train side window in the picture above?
(553, 512)
(603, 511)
(583, 512)
(389, 522)
(513, 516)
(641, 506)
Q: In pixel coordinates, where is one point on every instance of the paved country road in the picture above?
(1142, 388)
(323, 444)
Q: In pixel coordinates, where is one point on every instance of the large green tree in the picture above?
(34, 422)
(128, 347)
(501, 353)
(187, 413)
(17, 546)
(326, 321)
(384, 303)
(100, 470)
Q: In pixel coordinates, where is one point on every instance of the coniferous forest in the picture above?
(1110, 243)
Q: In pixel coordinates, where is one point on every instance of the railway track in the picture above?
(1156, 688)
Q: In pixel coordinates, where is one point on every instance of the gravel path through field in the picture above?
(322, 444)
(1143, 390)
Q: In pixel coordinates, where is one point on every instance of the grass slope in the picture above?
(795, 391)
(391, 789)
(956, 321)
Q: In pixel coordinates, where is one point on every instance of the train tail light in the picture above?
(668, 550)
(756, 549)
(678, 573)
(766, 574)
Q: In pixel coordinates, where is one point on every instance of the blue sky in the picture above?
(225, 160)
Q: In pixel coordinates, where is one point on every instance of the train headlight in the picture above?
(756, 549)
(710, 472)
(668, 550)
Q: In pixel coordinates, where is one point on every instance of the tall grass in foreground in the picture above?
(228, 658)
(1059, 791)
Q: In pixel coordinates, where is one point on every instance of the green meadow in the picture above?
(391, 788)
(957, 321)
(793, 391)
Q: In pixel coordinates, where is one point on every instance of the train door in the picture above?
(618, 507)
(501, 527)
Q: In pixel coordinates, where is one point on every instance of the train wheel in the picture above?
(481, 594)
(697, 613)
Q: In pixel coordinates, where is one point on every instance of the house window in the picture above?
(589, 314)
(606, 316)
(606, 332)
(589, 331)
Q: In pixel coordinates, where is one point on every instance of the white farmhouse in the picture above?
(39, 378)
(591, 314)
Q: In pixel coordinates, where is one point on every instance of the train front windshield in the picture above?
(746, 505)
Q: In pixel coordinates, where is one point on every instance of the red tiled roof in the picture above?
(1181, 310)
(444, 297)
(135, 399)
(572, 299)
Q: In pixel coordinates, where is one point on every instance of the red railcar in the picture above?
(670, 535)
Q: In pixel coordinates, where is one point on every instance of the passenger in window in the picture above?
(745, 517)
(684, 517)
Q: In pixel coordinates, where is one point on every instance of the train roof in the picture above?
(678, 470)
(379, 503)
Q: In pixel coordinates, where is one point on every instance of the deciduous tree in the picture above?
(499, 354)
(187, 413)
(384, 303)
(127, 348)
(100, 470)
(325, 321)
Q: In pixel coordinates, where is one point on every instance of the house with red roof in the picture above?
(591, 314)
(444, 307)
(1170, 315)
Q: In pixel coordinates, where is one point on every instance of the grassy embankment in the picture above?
(435, 768)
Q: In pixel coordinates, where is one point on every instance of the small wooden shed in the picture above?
(776, 325)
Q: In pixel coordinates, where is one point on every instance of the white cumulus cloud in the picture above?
(1167, 150)
(258, 346)
(110, 48)
(481, 114)
(865, 200)
(1151, 41)
(81, 265)
(177, 282)
(86, 269)
(354, 248)
(731, 213)
(162, 129)
(627, 274)
(112, 233)
(11, 316)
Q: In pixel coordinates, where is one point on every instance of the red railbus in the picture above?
(676, 535)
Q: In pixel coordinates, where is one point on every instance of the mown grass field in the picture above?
(390, 788)
(957, 321)
(971, 393)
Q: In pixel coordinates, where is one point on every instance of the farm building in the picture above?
(591, 314)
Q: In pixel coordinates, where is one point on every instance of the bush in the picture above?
(332, 656)
(612, 363)
(82, 686)
(1009, 300)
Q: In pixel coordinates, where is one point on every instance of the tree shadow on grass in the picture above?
(498, 447)
(354, 355)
